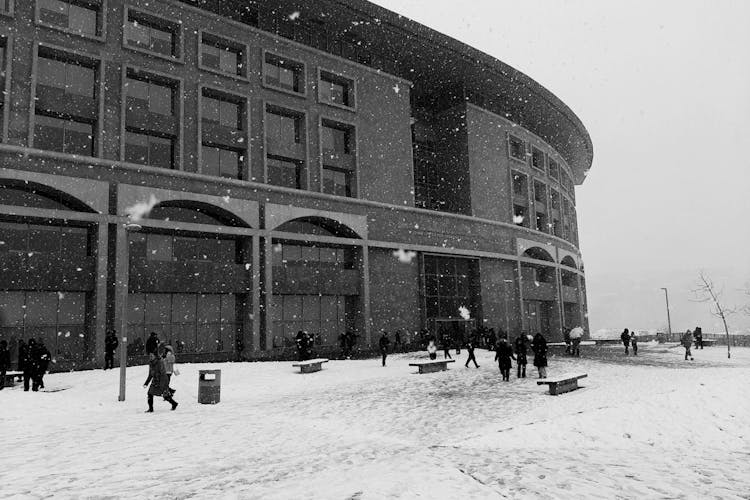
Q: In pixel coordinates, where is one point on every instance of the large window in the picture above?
(537, 159)
(63, 135)
(283, 128)
(554, 169)
(284, 74)
(520, 185)
(427, 179)
(58, 318)
(71, 76)
(336, 139)
(223, 55)
(336, 90)
(337, 182)
(148, 149)
(516, 148)
(78, 16)
(152, 34)
(283, 172)
(323, 316)
(450, 283)
(182, 248)
(154, 96)
(221, 162)
(540, 192)
(286, 254)
(191, 323)
(29, 239)
(224, 112)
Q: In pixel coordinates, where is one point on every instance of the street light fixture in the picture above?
(669, 321)
(129, 226)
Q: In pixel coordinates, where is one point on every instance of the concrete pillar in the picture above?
(255, 296)
(99, 325)
(366, 292)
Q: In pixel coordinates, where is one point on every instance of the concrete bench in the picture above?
(564, 383)
(9, 376)
(311, 365)
(433, 365)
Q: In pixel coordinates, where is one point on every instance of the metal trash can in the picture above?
(209, 386)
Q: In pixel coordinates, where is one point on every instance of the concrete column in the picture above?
(366, 292)
(99, 325)
(581, 299)
(268, 293)
(524, 326)
(255, 296)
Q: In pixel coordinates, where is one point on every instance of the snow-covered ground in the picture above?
(648, 427)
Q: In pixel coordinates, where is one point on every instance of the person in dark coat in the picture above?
(687, 342)
(110, 344)
(522, 344)
(157, 377)
(625, 338)
(491, 340)
(470, 348)
(4, 362)
(539, 347)
(503, 355)
(566, 339)
(634, 342)
(445, 340)
(384, 343)
(29, 363)
(397, 343)
(303, 345)
(42, 358)
(152, 344)
(698, 335)
(23, 352)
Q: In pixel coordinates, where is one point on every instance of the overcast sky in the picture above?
(663, 88)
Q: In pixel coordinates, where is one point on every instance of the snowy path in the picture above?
(651, 427)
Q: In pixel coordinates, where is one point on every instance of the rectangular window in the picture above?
(337, 90)
(540, 192)
(541, 222)
(283, 73)
(223, 112)
(148, 149)
(554, 169)
(555, 197)
(150, 33)
(63, 135)
(537, 159)
(78, 16)
(520, 215)
(337, 182)
(335, 139)
(70, 76)
(520, 185)
(223, 55)
(284, 172)
(285, 129)
(150, 95)
(516, 148)
(221, 162)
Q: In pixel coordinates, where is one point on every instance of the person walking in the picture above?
(4, 362)
(576, 334)
(432, 349)
(503, 355)
(539, 347)
(152, 344)
(29, 364)
(634, 342)
(384, 343)
(23, 352)
(625, 338)
(698, 335)
(687, 342)
(43, 357)
(445, 339)
(157, 378)
(397, 344)
(567, 339)
(470, 348)
(110, 344)
(169, 368)
(521, 352)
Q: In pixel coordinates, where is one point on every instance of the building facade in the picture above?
(329, 168)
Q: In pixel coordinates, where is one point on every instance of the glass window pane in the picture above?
(292, 253)
(49, 133)
(160, 99)
(211, 56)
(161, 41)
(137, 34)
(51, 72)
(74, 242)
(160, 152)
(230, 114)
(292, 307)
(11, 308)
(210, 160)
(44, 239)
(79, 138)
(209, 308)
(211, 109)
(83, 20)
(159, 247)
(228, 309)
(80, 80)
(229, 61)
(158, 309)
(41, 308)
(136, 309)
(230, 163)
(72, 308)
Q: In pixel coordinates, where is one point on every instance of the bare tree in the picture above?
(707, 292)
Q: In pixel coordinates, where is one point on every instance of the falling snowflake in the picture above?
(518, 219)
(464, 312)
(294, 15)
(396, 88)
(404, 256)
(141, 209)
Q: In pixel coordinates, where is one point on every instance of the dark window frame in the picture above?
(212, 39)
(65, 119)
(537, 159)
(349, 92)
(99, 6)
(150, 134)
(299, 173)
(156, 22)
(155, 79)
(297, 67)
(514, 143)
(54, 53)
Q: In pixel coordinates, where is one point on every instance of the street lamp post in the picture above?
(669, 321)
(123, 257)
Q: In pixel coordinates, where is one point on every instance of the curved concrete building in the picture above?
(328, 166)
